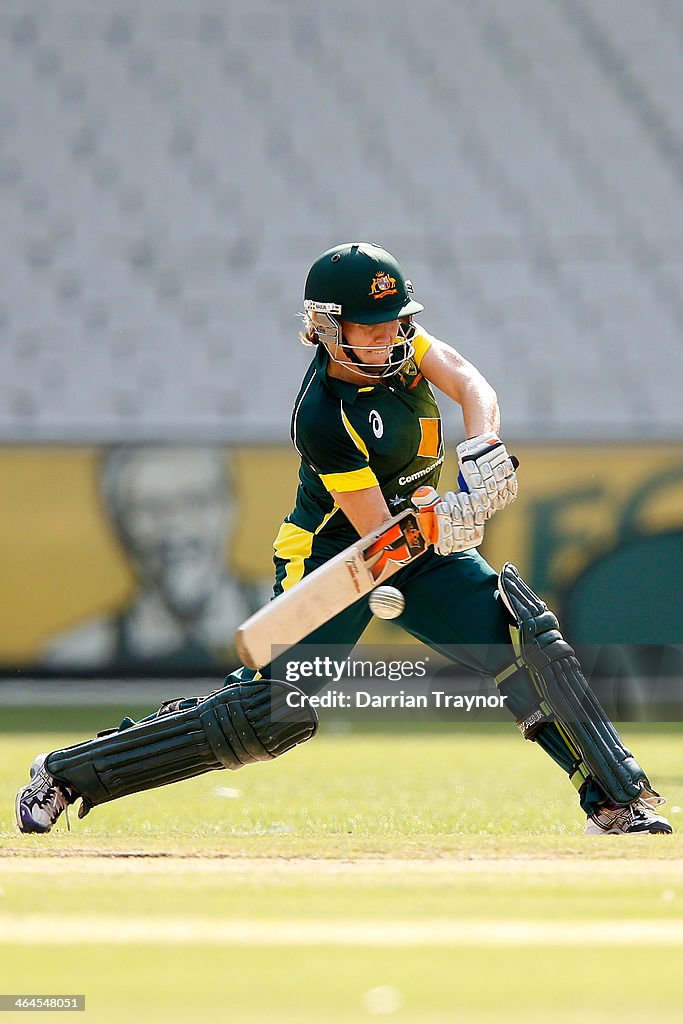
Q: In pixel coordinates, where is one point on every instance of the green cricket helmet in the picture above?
(362, 283)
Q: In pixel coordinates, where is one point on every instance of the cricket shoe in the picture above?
(40, 803)
(638, 818)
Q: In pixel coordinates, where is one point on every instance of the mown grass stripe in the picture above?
(42, 929)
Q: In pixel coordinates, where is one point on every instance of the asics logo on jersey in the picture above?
(376, 423)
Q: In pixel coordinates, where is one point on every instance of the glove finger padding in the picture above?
(473, 507)
(450, 523)
(505, 482)
(466, 530)
(486, 467)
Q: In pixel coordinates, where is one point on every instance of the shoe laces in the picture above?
(55, 799)
(50, 799)
(643, 809)
(650, 798)
(638, 809)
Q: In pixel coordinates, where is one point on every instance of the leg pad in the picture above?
(237, 725)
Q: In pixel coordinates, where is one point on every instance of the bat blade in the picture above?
(329, 589)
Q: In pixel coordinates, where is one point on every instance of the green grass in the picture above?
(438, 829)
(309, 986)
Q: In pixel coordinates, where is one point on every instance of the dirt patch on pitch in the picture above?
(73, 863)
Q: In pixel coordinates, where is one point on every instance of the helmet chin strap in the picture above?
(356, 365)
(369, 369)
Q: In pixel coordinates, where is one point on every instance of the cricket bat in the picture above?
(330, 588)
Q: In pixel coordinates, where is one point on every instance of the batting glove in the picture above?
(450, 523)
(486, 467)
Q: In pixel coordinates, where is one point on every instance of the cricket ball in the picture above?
(386, 602)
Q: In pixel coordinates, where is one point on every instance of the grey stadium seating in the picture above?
(168, 172)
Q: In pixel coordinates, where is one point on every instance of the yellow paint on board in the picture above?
(63, 563)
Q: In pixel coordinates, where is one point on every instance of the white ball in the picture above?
(386, 602)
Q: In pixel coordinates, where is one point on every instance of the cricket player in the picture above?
(367, 427)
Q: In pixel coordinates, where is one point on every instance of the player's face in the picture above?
(372, 343)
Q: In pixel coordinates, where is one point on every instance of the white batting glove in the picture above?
(486, 467)
(450, 523)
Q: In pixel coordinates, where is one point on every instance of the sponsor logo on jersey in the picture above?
(420, 473)
(376, 423)
(383, 284)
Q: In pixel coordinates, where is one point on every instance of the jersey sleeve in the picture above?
(333, 449)
(421, 343)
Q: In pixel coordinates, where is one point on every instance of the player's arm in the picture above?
(365, 509)
(451, 523)
(460, 380)
(486, 469)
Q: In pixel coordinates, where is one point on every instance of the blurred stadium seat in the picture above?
(168, 172)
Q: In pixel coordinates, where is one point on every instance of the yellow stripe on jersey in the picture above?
(357, 440)
(422, 342)
(354, 480)
(294, 545)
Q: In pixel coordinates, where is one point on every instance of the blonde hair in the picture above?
(309, 334)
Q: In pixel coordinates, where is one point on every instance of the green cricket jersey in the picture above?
(352, 437)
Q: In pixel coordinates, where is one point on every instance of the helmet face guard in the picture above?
(329, 332)
(325, 318)
(363, 284)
